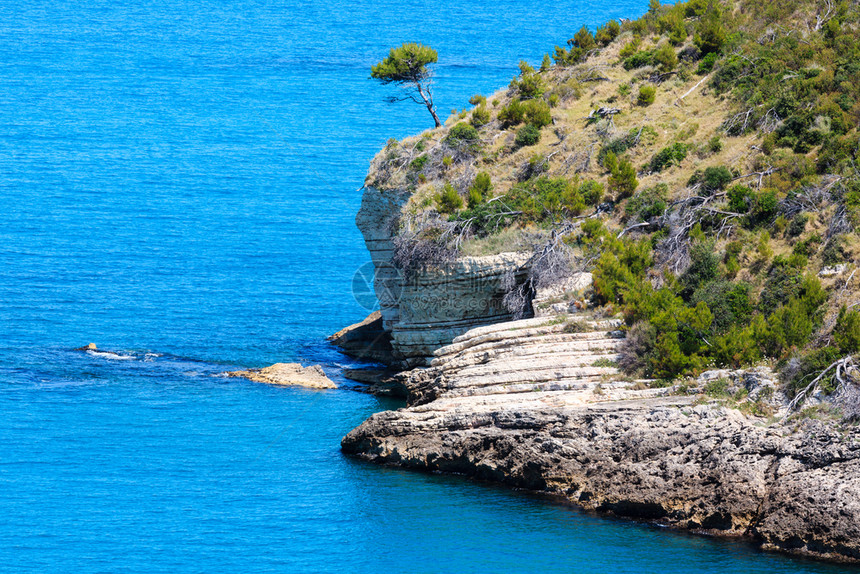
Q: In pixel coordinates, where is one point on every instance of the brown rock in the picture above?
(311, 377)
(366, 340)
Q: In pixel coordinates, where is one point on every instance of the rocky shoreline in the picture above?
(537, 404)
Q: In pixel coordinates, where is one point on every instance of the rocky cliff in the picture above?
(426, 309)
(533, 404)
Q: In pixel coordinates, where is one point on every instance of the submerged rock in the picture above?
(312, 377)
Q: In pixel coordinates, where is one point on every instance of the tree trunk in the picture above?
(429, 103)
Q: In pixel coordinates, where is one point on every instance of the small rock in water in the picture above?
(89, 347)
(311, 377)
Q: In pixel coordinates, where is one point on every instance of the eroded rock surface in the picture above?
(312, 377)
(366, 340)
(523, 404)
(429, 308)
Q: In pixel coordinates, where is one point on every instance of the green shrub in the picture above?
(591, 192)
(846, 334)
(537, 112)
(797, 225)
(715, 144)
(462, 134)
(527, 135)
(448, 200)
(668, 156)
(544, 198)
(646, 95)
(806, 247)
(740, 198)
(480, 116)
(833, 252)
(647, 204)
(583, 39)
(706, 64)
(730, 303)
(529, 83)
(478, 100)
(419, 162)
(710, 33)
(512, 114)
(607, 33)
(630, 47)
(546, 63)
(480, 189)
(622, 181)
(764, 209)
(666, 58)
(736, 348)
(704, 267)
(715, 179)
(639, 59)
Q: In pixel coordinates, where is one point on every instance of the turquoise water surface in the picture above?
(179, 181)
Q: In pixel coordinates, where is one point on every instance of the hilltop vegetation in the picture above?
(700, 160)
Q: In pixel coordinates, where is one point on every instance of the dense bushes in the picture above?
(536, 112)
(480, 190)
(622, 176)
(448, 200)
(527, 135)
(544, 198)
(647, 204)
(529, 83)
(480, 116)
(537, 200)
(668, 156)
(463, 135)
(704, 317)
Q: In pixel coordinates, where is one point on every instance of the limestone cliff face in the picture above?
(537, 404)
(431, 307)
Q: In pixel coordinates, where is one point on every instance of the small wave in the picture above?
(111, 355)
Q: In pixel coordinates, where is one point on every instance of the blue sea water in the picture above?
(178, 181)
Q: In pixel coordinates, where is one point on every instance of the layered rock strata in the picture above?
(530, 404)
(428, 308)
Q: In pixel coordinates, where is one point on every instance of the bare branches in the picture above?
(689, 212)
(603, 112)
(590, 74)
(738, 123)
(660, 78)
(825, 14)
(760, 174)
(809, 198)
(693, 89)
(632, 227)
(844, 372)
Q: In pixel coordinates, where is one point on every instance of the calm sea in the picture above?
(178, 182)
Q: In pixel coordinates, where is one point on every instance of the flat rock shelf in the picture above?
(522, 403)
